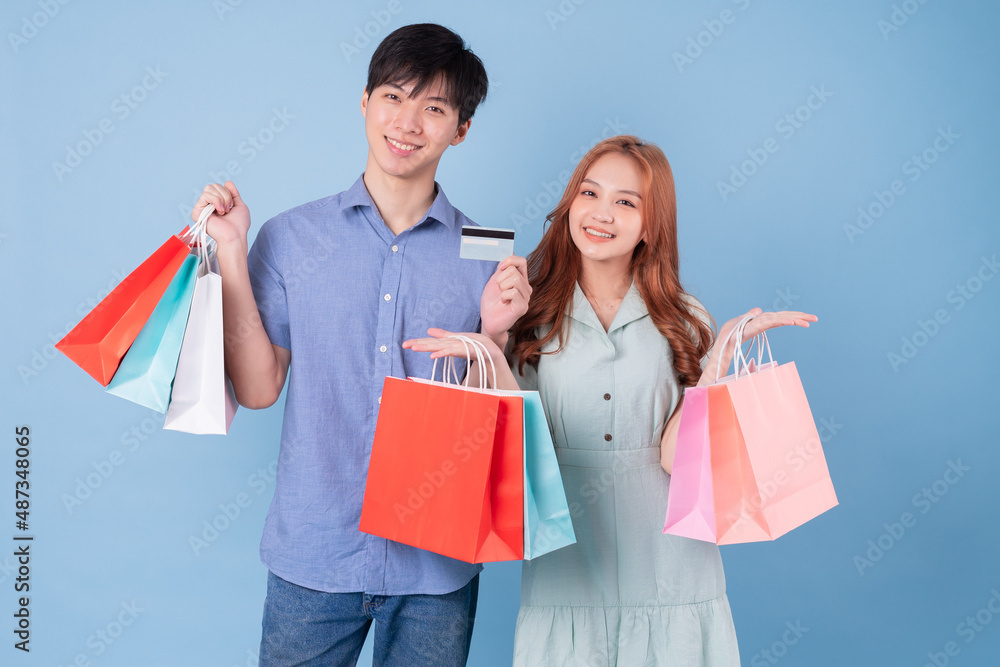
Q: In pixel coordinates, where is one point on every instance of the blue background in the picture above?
(561, 75)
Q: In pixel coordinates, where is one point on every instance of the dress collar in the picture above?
(631, 309)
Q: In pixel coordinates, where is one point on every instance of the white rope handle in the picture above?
(466, 342)
(448, 366)
(486, 354)
(738, 330)
(760, 340)
(482, 355)
(198, 237)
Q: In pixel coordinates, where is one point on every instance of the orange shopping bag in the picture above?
(98, 343)
(767, 467)
(446, 471)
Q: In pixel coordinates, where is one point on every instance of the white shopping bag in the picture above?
(202, 399)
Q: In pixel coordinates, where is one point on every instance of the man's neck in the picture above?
(402, 203)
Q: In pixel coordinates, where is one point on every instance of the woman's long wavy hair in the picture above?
(554, 266)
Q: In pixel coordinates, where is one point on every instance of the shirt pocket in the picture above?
(429, 313)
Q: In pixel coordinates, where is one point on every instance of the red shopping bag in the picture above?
(765, 472)
(98, 343)
(446, 471)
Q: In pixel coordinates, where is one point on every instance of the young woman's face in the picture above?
(407, 134)
(605, 221)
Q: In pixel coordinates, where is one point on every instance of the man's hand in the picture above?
(230, 223)
(505, 299)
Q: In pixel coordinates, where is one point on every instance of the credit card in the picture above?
(489, 243)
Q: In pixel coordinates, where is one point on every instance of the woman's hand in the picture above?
(761, 322)
(440, 345)
(505, 298)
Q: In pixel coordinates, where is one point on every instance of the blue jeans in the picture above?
(303, 627)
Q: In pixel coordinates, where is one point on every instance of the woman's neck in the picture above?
(605, 287)
(602, 282)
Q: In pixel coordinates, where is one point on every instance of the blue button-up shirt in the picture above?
(338, 289)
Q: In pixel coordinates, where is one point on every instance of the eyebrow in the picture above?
(628, 192)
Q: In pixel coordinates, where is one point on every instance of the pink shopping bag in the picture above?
(749, 465)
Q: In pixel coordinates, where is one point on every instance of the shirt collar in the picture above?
(631, 309)
(440, 210)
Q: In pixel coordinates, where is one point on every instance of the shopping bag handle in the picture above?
(448, 367)
(481, 353)
(740, 360)
(197, 237)
(760, 340)
(481, 356)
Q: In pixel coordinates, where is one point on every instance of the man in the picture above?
(328, 293)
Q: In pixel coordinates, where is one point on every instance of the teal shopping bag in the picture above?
(147, 371)
(547, 522)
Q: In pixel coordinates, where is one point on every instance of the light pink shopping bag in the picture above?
(749, 465)
(783, 445)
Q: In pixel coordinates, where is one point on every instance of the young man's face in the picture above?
(408, 134)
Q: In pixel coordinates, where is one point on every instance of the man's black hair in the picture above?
(421, 53)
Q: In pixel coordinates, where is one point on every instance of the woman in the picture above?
(609, 341)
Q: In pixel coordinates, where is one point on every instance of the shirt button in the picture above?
(607, 436)
(388, 297)
(395, 248)
(380, 400)
(383, 349)
(607, 397)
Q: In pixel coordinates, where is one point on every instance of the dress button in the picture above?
(607, 436)
(383, 349)
(387, 297)
(607, 397)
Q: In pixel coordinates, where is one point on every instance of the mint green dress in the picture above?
(625, 594)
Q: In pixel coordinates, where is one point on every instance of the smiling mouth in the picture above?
(401, 146)
(600, 235)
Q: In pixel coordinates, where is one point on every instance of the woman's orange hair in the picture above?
(554, 266)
